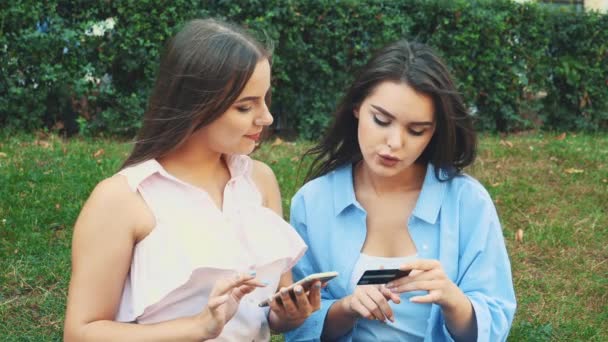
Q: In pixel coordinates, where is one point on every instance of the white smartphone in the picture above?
(306, 283)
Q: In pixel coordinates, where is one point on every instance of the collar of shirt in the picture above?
(427, 206)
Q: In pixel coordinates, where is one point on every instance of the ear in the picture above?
(356, 112)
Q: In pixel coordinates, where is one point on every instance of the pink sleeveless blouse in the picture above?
(194, 244)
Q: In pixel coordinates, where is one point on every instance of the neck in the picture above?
(193, 162)
(408, 180)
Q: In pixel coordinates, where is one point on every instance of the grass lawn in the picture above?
(553, 188)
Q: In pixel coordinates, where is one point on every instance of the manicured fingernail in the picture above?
(266, 283)
(317, 285)
(298, 289)
(252, 273)
(284, 291)
(270, 299)
(389, 285)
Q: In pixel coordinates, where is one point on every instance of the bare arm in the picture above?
(289, 314)
(112, 220)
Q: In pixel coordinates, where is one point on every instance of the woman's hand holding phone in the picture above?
(296, 304)
(224, 301)
(371, 302)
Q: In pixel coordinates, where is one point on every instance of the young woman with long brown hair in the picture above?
(188, 237)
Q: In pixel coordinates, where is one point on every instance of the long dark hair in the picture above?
(453, 145)
(204, 68)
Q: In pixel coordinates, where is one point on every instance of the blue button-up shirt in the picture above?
(453, 221)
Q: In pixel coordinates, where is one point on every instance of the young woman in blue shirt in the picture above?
(386, 190)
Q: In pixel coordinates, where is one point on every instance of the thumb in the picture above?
(215, 302)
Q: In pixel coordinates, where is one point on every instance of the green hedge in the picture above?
(88, 68)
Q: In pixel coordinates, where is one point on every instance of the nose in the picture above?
(395, 137)
(265, 118)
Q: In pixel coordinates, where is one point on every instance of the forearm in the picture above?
(183, 329)
(338, 321)
(460, 319)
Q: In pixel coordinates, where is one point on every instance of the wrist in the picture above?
(459, 302)
(203, 326)
(347, 308)
(281, 324)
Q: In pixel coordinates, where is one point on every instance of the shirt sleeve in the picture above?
(312, 328)
(484, 270)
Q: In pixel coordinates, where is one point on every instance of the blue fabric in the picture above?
(455, 220)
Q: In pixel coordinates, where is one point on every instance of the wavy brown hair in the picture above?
(204, 68)
(454, 143)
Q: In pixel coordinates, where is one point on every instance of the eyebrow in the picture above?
(248, 98)
(417, 123)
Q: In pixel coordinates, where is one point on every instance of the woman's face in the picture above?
(239, 128)
(395, 125)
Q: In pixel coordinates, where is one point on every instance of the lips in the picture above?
(254, 137)
(388, 160)
(389, 157)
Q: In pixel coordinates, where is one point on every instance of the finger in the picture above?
(360, 309)
(382, 304)
(288, 305)
(420, 275)
(214, 302)
(302, 303)
(241, 291)
(388, 294)
(420, 264)
(255, 283)
(314, 296)
(372, 307)
(276, 306)
(424, 285)
(399, 282)
(224, 286)
(432, 297)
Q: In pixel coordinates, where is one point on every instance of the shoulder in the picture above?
(474, 207)
(466, 190)
(261, 172)
(112, 191)
(323, 185)
(266, 183)
(263, 177)
(113, 201)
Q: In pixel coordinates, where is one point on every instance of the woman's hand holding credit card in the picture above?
(369, 300)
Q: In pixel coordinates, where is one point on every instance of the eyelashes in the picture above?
(244, 109)
(380, 122)
(384, 123)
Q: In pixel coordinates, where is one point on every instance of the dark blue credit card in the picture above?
(375, 277)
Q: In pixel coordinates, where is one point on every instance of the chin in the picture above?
(244, 149)
(385, 172)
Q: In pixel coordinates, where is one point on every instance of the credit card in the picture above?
(375, 277)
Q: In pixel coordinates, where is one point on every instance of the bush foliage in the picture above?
(87, 67)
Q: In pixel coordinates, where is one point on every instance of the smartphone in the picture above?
(306, 283)
(375, 277)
